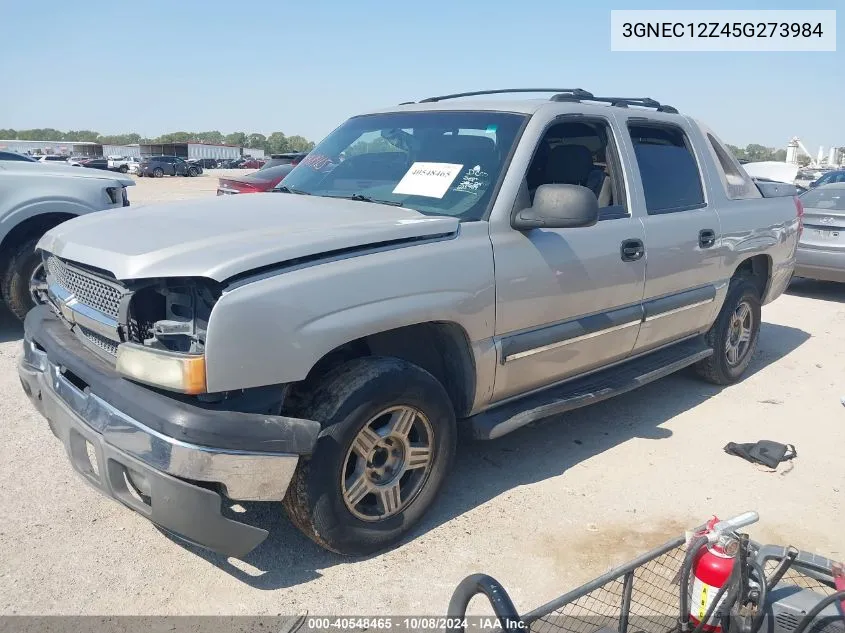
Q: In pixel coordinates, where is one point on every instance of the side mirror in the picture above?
(559, 207)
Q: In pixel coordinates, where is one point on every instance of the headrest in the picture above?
(463, 149)
(569, 164)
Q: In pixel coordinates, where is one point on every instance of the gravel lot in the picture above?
(541, 510)
(150, 190)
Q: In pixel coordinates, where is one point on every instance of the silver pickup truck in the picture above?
(447, 267)
(35, 197)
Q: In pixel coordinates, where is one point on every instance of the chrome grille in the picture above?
(87, 289)
(107, 345)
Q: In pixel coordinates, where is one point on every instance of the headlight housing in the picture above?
(174, 371)
(164, 334)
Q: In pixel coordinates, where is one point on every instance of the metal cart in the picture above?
(642, 595)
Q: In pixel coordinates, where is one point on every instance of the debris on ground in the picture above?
(764, 452)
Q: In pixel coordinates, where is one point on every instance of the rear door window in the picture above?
(668, 168)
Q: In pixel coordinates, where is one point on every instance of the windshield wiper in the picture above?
(362, 198)
(286, 189)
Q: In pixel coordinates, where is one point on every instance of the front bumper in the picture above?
(119, 453)
(821, 265)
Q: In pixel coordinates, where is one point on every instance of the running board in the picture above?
(580, 392)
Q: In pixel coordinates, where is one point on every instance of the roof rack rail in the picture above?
(583, 94)
(620, 102)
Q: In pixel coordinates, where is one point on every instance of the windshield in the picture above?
(438, 163)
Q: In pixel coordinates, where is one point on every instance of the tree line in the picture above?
(754, 153)
(278, 142)
(275, 143)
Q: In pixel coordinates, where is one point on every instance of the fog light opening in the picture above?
(92, 458)
(138, 485)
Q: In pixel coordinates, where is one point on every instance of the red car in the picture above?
(255, 182)
(252, 163)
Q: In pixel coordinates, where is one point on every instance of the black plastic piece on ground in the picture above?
(169, 416)
(764, 452)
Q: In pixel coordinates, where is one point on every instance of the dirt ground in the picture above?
(541, 510)
(169, 188)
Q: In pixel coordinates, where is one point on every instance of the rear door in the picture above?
(682, 231)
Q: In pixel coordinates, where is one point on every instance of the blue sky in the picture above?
(302, 67)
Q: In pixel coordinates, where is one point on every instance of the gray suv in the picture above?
(442, 267)
(158, 166)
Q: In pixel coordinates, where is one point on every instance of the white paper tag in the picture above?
(431, 180)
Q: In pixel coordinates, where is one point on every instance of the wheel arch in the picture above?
(30, 227)
(758, 270)
(442, 348)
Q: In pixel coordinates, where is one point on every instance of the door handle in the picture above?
(632, 250)
(706, 238)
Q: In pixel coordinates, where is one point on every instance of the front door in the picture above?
(568, 300)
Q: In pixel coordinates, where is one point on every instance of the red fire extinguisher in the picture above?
(712, 568)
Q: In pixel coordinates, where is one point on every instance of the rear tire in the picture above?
(15, 284)
(733, 336)
(379, 417)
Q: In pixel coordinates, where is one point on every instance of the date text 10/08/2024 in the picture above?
(406, 623)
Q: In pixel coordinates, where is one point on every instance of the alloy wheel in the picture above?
(739, 334)
(388, 463)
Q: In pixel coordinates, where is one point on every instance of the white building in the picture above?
(190, 150)
(122, 150)
(63, 148)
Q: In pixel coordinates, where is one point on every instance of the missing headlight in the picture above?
(172, 314)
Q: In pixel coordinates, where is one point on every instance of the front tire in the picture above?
(388, 441)
(123, 169)
(23, 270)
(158, 172)
(733, 336)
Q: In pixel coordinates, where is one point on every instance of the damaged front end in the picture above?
(118, 371)
(151, 330)
(169, 314)
(162, 314)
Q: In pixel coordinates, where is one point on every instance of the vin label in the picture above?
(723, 30)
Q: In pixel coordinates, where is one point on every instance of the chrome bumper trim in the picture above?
(244, 476)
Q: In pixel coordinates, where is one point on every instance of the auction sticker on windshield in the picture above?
(431, 180)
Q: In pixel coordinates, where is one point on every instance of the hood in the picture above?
(224, 236)
(23, 168)
(773, 170)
